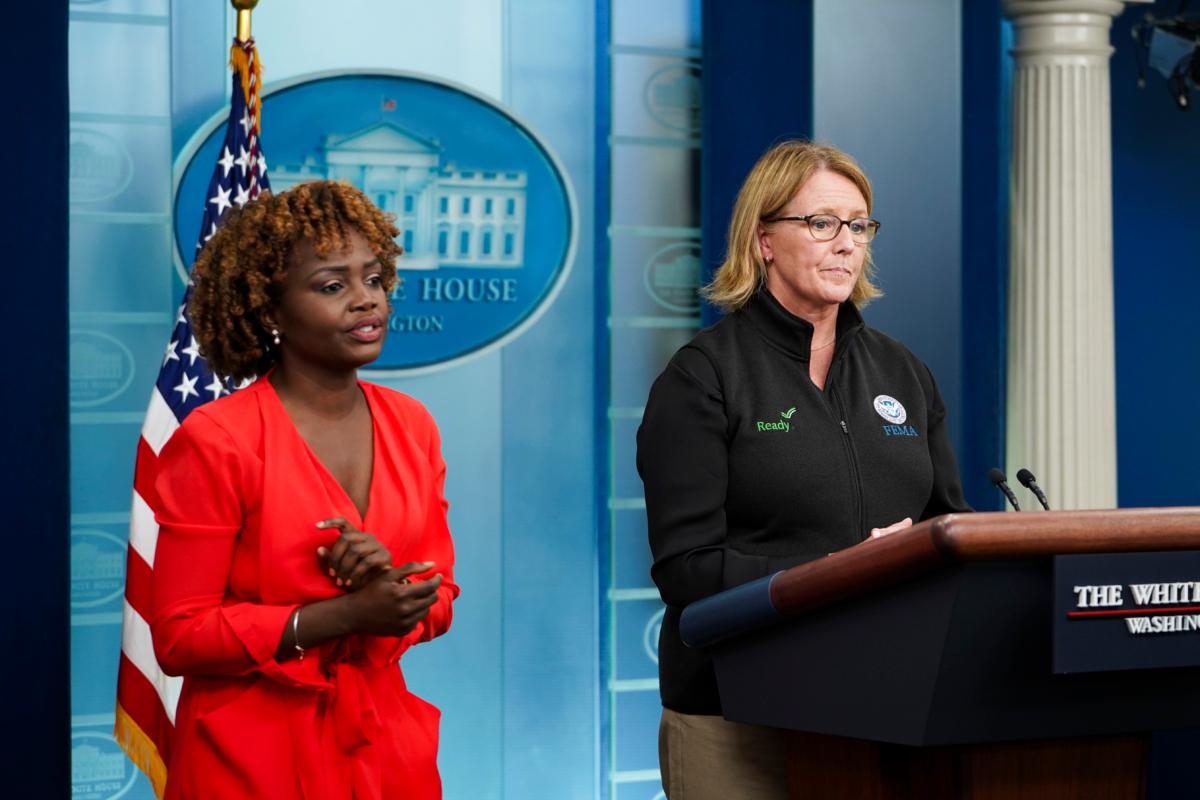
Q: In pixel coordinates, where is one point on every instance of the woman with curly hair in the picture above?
(285, 616)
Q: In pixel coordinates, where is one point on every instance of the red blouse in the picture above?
(239, 496)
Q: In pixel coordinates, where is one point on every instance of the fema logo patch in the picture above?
(890, 409)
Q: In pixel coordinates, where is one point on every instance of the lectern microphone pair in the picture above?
(998, 478)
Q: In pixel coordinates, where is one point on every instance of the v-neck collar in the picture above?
(360, 517)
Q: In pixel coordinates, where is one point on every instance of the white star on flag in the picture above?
(187, 387)
(262, 164)
(170, 354)
(216, 387)
(242, 197)
(180, 313)
(226, 161)
(245, 122)
(243, 160)
(222, 200)
(192, 351)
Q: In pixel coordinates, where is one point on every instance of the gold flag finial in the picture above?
(244, 9)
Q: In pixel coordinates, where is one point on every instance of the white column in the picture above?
(1061, 388)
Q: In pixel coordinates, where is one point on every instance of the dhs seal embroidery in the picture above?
(894, 414)
(890, 409)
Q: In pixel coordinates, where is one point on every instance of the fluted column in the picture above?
(1061, 388)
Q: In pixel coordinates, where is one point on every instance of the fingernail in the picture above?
(323, 523)
(321, 551)
(347, 581)
(339, 581)
(332, 573)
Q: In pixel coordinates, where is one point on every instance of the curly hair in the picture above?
(239, 273)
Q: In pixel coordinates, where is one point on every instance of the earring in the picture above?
(275, 335)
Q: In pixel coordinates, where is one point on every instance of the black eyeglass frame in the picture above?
(873, 225)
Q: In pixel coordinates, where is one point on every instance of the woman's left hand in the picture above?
(356, 558)
(895, 526)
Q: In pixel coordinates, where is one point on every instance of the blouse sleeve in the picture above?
(200, 509)
(682, 457)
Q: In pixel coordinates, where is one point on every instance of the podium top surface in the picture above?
(937, 542)
(981, 536)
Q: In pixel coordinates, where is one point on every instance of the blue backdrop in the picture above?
(548, 677)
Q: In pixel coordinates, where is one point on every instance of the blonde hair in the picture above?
(771, 184)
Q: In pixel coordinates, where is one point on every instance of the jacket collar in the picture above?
(793, 334)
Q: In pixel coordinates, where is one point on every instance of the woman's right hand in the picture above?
(356, 558)
(893, 528)
(391, 605)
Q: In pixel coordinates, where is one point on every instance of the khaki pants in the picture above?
(710, 758)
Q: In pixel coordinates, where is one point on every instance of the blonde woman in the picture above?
(784, 432)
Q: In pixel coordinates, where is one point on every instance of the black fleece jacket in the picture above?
(749, 468)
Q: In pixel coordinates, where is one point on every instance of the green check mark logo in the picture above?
(788, 414)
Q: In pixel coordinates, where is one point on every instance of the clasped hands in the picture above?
(388, 603)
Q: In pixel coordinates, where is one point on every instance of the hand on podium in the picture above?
(895, 526)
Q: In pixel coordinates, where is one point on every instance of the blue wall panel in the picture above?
(985, 144)
(1156, 279)
(758, 90)
(551, 643)
(652, 77)
(889, 95)
(122, 295)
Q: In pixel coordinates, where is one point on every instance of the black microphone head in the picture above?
(996, 476)
(1025, 477)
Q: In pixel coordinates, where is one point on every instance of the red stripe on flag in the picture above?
(138, 577)
(144, 473)
(140, 700)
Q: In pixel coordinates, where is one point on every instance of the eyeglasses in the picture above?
(824, 227)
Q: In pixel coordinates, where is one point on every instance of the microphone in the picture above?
(1029, 482)
(1001, 482)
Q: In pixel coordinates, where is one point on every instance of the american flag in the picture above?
(146, 698)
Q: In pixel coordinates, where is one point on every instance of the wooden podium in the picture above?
(919, 665)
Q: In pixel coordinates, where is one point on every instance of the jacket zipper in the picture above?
(851, 461)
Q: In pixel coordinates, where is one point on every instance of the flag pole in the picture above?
(144, 718)
(244, 8)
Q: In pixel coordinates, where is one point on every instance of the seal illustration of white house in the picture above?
(486, 212)
(448, 216)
